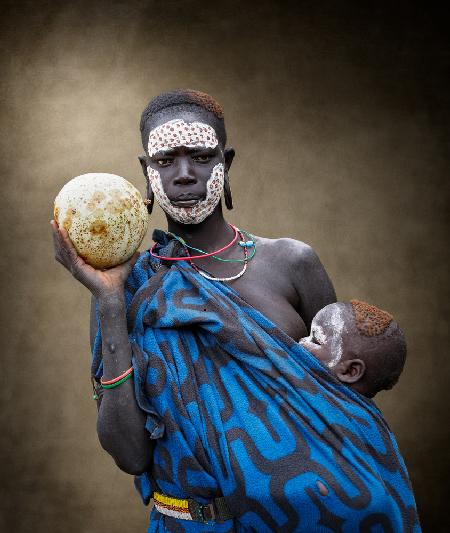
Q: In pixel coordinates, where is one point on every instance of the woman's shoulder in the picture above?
(291, 251)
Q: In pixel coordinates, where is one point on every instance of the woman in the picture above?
(195, 348)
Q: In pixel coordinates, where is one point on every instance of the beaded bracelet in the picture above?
(115, 382)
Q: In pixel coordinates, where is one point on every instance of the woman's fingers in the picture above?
(58, 244)
(95, 280)
(65, 252)
(74, 259)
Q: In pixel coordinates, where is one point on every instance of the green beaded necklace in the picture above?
(248, 244)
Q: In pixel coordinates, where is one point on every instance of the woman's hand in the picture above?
(100, 282)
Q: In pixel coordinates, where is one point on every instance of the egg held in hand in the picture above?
(105, 217)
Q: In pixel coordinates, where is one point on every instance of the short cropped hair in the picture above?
(174, 102)
(384, 345)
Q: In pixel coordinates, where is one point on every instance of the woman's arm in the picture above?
(310, 280)
(121, 423)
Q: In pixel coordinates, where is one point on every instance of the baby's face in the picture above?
(330, 331)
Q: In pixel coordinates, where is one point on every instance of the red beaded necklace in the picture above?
(189, 258)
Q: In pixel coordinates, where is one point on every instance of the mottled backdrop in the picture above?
(339, 116)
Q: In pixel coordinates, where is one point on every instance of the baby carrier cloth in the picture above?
(237, 408)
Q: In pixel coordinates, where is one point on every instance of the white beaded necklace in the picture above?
(230, 278)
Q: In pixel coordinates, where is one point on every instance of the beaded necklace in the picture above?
(206, 275)
(242, 243)
(204, 254)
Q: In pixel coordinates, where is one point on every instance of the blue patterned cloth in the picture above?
(235, 407)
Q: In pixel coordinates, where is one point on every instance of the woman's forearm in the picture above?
(121, 423)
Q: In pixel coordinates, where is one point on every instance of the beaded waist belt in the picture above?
(189, 509)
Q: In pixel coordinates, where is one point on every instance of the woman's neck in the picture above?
(209, 235)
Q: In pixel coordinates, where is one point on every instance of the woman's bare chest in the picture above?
(266, 285)
(273, 296)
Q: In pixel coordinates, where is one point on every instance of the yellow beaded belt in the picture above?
(189, 509)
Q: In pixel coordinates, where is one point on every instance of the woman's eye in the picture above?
(163, 162)
(202, 158)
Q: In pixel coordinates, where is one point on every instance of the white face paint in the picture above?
(173, 134)
(337, 340)
(328, 330)
(177, 132)
(197, 213)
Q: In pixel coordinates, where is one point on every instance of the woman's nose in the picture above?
(185, 174)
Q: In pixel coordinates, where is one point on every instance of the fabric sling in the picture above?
(237, 409)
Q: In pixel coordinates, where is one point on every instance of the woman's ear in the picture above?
(149, 201)
(228, 156)
(350, 370)
(143, 162)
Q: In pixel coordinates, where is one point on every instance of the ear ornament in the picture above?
(227, 192)
(150, 200)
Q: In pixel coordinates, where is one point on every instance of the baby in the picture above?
(361, 345)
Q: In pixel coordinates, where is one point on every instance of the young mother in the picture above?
(195, 343)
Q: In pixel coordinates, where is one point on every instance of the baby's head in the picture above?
(360, 344)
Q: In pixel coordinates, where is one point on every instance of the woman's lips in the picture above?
(185, 202)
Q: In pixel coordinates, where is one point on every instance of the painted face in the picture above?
(171, 136)
(330, 329)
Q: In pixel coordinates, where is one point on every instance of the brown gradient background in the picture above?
(339, 116)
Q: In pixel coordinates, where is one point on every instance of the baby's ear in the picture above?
(351, 370)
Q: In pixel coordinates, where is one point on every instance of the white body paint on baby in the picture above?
(338, 322)
(328, 329)
(173, 134)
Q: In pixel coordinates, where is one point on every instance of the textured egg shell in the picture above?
(105, 217)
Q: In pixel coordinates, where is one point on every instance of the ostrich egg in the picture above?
(105, 217)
